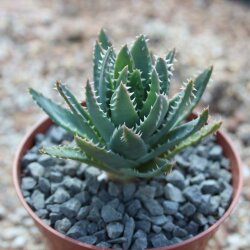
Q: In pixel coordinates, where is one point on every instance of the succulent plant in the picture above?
(130, 126)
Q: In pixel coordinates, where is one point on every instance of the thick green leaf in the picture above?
(106, 70)
(170, 56)
(123, 77)
(194, 138)
(162, 70)
(74, 105)
(155, 117)
(152, 94)
(73, 153)
(123, 59)
(135, 84)
(200, 84)
(64, 118)
(141, 57)
(97, 61)
(127, 143)
(177, 106)
(99, 118)
(104, 40)
(122, 108)
(101, 154)
(152, 168)
(176, 136)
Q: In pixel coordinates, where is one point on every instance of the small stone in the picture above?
(114, 229)
(128, 232)
(156, 229)
(225, 163)
(179, 232)
(145, 191)
(71, 208)
(168, 227)
(197, 163)
(176, 178)
(83, 212)
(92, 228)
(56, 134)
(153, 206)
(200, 219)
(73, 185)
(61, 195)
(101, 235)
(159, 191)
(88, 239)
(210, 187)
(42, 213)
(103, 244)
(180, 161)
(192, 228)
(109, 214)
(81, 171)
(71, 168)
(46, 160)
(44, 185)
(214, 204)
(114, 189)
(143, 225)
(215, 153)
(159, 220)
(226, 197)
(63, 225)
(188, 209)
(173, 193)
(94, 214)
(128, 191)
(28, 183)
(55, 208)
(78, 230)
(193, 194)
(225, 175)
(133, 207)
(170, 207)
(38, 200)
(117, 241)
(159, 240)
(55, 217)
(93, 171)
(83, 197)
(197, 179)
(28, 158)
(56, 176)
(140, 243)
(93, 185)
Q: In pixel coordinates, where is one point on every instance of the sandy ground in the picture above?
(43, 41)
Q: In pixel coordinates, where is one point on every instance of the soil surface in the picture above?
(45, 41)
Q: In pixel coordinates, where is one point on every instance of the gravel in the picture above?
(150, 213)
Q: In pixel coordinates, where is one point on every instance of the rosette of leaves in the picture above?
(130, 127)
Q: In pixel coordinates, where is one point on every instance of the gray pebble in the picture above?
(140, 243)
(176, 178)
(173, 193)
(94, 214)
(198, 164)
(73, 185)
(92, 228)
(193, 194)
(83, 197)
(153, 206)
(133, 207)
(28, 183)
(63, 225)
(192, 228)
(61, 195)
(44, 185)
(83, 212)
(197, 179)
(181, 161)
(143, 225)
(109, 214)
(88, 239)
(159, 240)
(200, 219)
(46, 160)
(179, 232)
(70, 208)
(114, 230)
(215, 153)
(38, 200)
(114, 189)
(168, 227)
(159, 220)
(156, 229)
(28, 158)
(128, 191)
(78, 230)
(56, 176)
(145, 191)
(128, 232)
(188, 209)
(170, 207)
(210, 187)
(42, 213)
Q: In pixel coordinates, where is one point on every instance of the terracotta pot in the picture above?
(58, 241)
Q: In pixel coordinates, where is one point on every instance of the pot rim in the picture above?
(46, 120)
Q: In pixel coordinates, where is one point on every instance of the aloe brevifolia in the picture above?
(130, 126)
